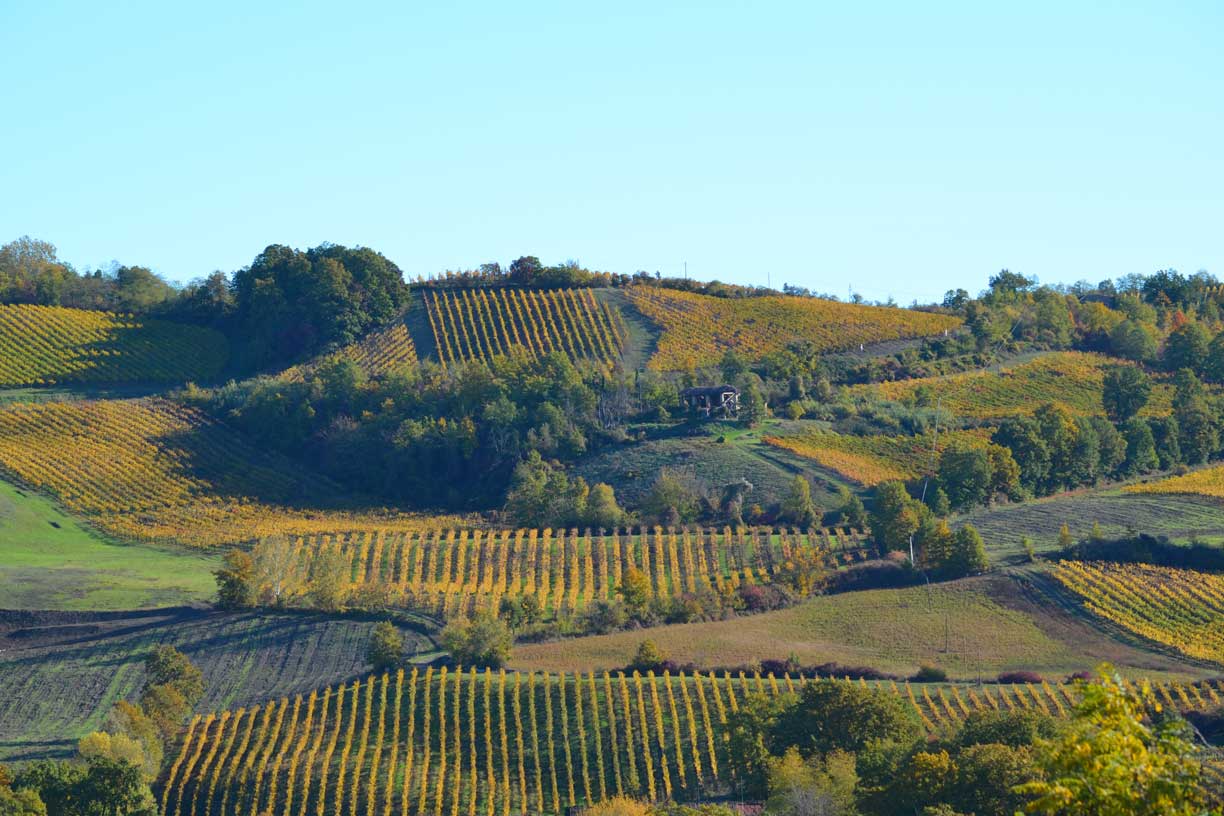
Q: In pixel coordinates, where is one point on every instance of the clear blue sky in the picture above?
(902, 148)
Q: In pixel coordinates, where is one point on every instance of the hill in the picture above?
(461, 741)
(49, 345)
(696, 330)
(155, 470)
(62, 672)
(1180, 608)
(52, 561)
(476, 324)
(978, 627)
(869, 460)
(1073, 379)
(455, 572)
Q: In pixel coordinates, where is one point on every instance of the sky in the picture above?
(896, 149)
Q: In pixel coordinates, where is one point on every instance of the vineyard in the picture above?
(477, 324)
(1206, 482)
(155, 470)
(697, 329)
(1179, 608)
(49, 345)
(378, 354)
(461, 742)
(870, 460)
(62, 672)
(453, 572)
(1072, 379)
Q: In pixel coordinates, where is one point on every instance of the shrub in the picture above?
(1019, 677)
(930, 674)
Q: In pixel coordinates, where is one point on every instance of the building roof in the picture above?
(709, 390)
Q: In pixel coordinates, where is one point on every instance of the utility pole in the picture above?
(686, 270)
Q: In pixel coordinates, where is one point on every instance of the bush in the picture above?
(930, 674)
(483, 641)
(1019, 677)
(386, 647)
(763, 597)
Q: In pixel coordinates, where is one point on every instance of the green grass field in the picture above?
(1176, 516)
(62, 672)
(983, 625)
(51, 561)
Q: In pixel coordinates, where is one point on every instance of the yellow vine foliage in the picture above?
(478, 324)
(51, 345)
(1072, 379)
(1180, 608)
(1206, 482)
(570, 739)
(456, 572)
(151, 469)
(870, 460)
(698, 329)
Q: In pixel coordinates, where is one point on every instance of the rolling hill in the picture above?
(49, 345)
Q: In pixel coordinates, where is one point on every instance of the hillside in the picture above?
(463, 741)
(696, 330)
(979, 627)
(54, 561)
(1068, 378)
(62, 672)
(869, 460)
(48, 345)
(479, 323)
(457, 572)
(155, 470)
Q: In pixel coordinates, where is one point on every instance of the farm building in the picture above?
(712, 401)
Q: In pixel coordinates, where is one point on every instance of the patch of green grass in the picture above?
(974, 627)
(51, 561)
(1176, 516)
(710, 465)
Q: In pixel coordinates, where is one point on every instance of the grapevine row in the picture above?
(457, 571)
(453, 741)
(481, 323)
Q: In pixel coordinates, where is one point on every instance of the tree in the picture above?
(277, 572)
(329, 579)
(1165, 433)
(968, 555)
(647, 658)
(753, 407)
(520, 611)
(817, 786)
(236, 581)
(115, 788)
(602, 510)
(964, 474)
(1023, 437)
(1117, 758)
(483, 640)
(1187, 347)
(24, 802)
(670, 494)
(1213, 366)
(118, 747)
(894, 517)
(1131, 340)
(851, 510)
(166, 707)
(1140, 448)
(385, 650)
(797, 507)
(832, 715)
(290, 304)
(1126, 390)
(167, 666)
(635, 590)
